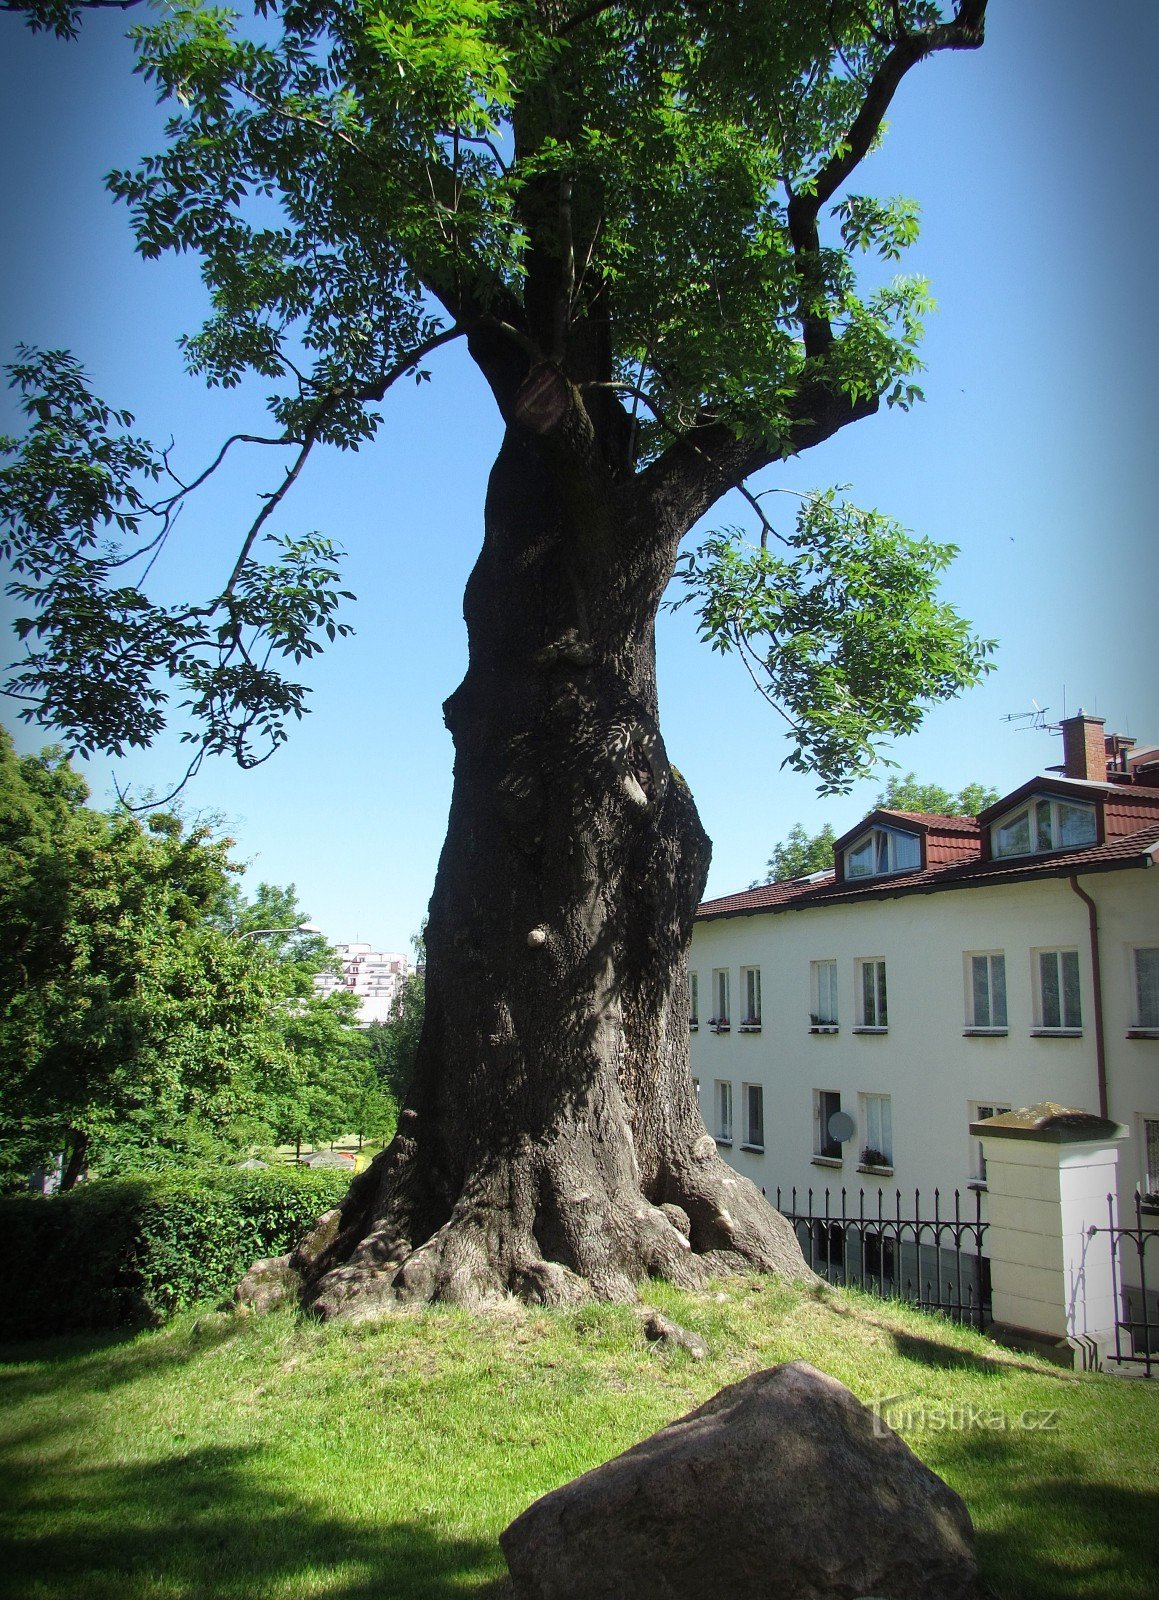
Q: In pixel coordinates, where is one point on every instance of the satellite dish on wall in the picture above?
(841, 1126)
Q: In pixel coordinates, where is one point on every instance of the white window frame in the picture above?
(872, 1011)
(1144, 1005)
(1043, 831)
(989, 1024)
(1148, 1155)
(750, 987)
(754, 1128)
(722, 1109)
(822, 978)
(1070, 1022)
(719, 1020)
(826, 1102)
(979, 1111)
(693, 1001)
(876, 1119)
(886, 846)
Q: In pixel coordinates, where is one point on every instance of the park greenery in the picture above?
(145, 1026)
(276, 1459)
(802, 852)
(644, 222)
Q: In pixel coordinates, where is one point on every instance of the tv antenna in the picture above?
(1033, 720)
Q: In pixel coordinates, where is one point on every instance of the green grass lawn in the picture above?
(272, 1457)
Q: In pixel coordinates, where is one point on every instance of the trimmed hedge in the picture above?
(132, 1251)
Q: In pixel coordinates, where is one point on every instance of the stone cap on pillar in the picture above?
(1051, 1124)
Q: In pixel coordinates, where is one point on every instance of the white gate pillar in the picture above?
(1049, 1170)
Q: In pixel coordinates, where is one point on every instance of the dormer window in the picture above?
(1043, 824)
(883, 850)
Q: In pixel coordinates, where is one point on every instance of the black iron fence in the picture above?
(935, 1261)
(1137, 1327)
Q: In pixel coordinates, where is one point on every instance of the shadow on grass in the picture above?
(212, 1523)
(929, 1352)
(58, 1366)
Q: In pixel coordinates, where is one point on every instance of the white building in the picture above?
(374, 976)
(847, 1028)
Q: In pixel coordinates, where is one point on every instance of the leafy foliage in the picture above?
(393, 1045)
(907, 794)
(844, 636)
(79, 506)
(140, 1029)
(651, 201)
(801, 853)
(136, 1250)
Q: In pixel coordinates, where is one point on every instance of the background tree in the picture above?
(801, 853)
(638, 217)
(138, 1029)
(907, 794)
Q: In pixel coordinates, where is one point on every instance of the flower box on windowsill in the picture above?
(757, 1149)
(1143, 1033)
(826, 1161)
(985, 1033)
(749, 1027)
(718, 1024)
(724, 1143)
(693, 1026)
(878, 1169)
(1149, 1205)
(1056, 1033)
(822, 1027)
(866, 1027)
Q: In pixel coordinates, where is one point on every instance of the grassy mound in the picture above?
(275, 1459)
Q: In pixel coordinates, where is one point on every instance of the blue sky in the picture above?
(1033, 161)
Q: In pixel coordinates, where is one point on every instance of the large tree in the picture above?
(638, 217)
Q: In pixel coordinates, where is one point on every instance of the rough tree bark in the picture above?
(551, 1145)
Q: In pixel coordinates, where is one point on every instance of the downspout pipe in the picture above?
(1097, 984)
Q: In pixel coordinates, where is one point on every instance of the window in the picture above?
(719, 1018)
(986, 993)
(883, 850)
(1151, 1155)
(754, 1116)
(693, 1000)
(826, 1105)
(722, 1094)
(750, 982)
(872, 1010)
(1044, 824)
(1146, 963)
(823, 983)
(877, 1131)
(878, 1255)
(1058, 1006)
(828, 1244)
(979, 1113)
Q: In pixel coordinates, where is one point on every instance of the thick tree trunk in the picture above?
(551, 1145)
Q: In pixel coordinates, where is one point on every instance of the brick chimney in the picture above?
(1084, 747)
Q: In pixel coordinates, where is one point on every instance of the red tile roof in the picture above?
(1137, 849)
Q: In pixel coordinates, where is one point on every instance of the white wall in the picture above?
(933, 1074)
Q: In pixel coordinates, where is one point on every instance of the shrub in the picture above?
(132, 1251)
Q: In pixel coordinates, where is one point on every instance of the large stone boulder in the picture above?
(782, 1487)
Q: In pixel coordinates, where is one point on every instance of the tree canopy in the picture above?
(639, 210)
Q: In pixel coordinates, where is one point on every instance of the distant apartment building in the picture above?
(374, 976)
